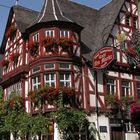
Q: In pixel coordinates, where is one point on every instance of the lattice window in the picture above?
(36, 82)
(65, 79)
(111, 86)
(50, 79)
(125, 88)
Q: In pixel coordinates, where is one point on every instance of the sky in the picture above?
(36, 5)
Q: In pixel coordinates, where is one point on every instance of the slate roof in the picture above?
(94, 21)
(51, 11)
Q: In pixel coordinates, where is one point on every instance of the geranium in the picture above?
(14, 57)
(50, 42)
(54, 95)
(5, 63)
(66, 42)
(33, 48)
(135, 113)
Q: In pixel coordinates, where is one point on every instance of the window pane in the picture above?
(138, 90)
(64, 65)
(111, 86)
(49, 66)
(50, 79)
(36, 69)
(125, 88)
(65, 79)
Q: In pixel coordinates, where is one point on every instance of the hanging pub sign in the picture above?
(103, 57)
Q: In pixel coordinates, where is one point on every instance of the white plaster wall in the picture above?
(111, 73)
(104, 121)
(101, 121)
(126, 76)
(131, 136)
(100, 81)
(92, 100)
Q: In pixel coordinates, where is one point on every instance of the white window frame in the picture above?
(36, 83)
(65, 33)
(35, 71)
(65, 80)
(15, 88)
(64, 67)
(51, 81)
(126, 88)
(111, 85)
(49, 33)
(48, 67)
(35, 37)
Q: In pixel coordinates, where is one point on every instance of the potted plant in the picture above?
(14, 57)
(33, 48)
(5, 63)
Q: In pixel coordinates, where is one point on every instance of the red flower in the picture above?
(5, 63)
(66, 42)
(11, 30)
(50, 42)
(14, 57)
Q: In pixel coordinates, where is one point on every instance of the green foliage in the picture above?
(25, 124)
(111, 100)
(68, 120)
(39, 125)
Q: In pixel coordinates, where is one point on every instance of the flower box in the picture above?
(54, 96)
(14, 57)
(33, 48)
(5, 63)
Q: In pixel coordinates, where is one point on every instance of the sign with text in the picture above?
(103, 57)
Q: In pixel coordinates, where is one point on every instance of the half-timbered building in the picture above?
(32, 63)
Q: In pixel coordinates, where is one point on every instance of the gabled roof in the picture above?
(96, 23)
(23, 16)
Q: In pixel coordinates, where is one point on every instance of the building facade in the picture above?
(34, 63)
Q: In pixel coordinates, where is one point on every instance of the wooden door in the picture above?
(117, 133)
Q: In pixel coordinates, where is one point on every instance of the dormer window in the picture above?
(65, 33)
(36, 37)
(49, 33)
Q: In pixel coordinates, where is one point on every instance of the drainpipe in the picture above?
(138, 4)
